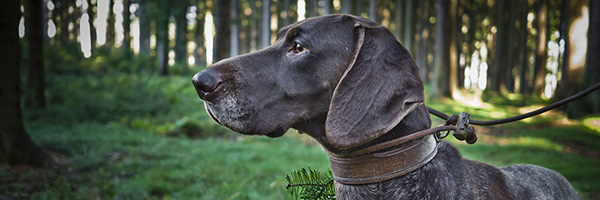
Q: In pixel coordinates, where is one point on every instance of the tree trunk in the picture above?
(523, 85)
(126, 29)
(286, 10)
(499, 63)
(181, 30)
(265, 30)
(35, 64)
(424, 34)
(234, 50)
(399, 19)
(444, 65)
(15, 145)
(199, 52)
(509, 79)
(540, 52)
(347, 6)
(162, 40)
(143, 13)
(577, 73)
(223, 35)
(311, 8)
(328, 7)
(90, 12)
(373, 10)
(409, 26)
(110, 25)
(592, 69)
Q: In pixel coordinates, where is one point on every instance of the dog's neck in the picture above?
(415, 121)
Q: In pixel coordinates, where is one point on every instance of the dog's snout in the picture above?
(206, 82)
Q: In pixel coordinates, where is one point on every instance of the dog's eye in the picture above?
(298, 48)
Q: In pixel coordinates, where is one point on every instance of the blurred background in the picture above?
(107, 109)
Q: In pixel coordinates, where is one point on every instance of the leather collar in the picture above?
(384, 165)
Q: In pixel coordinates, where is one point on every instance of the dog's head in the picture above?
(345, 68)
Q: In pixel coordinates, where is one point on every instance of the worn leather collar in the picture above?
(381, 166)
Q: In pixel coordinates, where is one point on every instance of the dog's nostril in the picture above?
(205, 83)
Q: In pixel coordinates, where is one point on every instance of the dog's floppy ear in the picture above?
(378, 89)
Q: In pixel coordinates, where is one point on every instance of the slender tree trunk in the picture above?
(311, 8)
(265, 33)
(328, 7)
(15, 145)
(373, 10)
(399, 19)
(162, 40)
(409, 26)
(181, 31)
(223, 36)
(442, 64)
(254, 27)
(540, 52)
(286, 10)
(35, 66)
(509, 80)
(199, 52)
(424, 34)
(358, 8)
(235, 29)
(145, 26)
(523, 86)
(126, 29)
(347, 6)
(92, 16)
(499, 62)
(110, 29)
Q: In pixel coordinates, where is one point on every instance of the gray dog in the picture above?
(350, 85)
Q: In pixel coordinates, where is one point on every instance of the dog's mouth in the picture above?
(247, 128)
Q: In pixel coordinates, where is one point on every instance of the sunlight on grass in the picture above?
(525, 141)
(593, 123)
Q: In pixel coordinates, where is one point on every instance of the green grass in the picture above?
(126, 137)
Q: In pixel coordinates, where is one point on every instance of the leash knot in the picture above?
(463, 131)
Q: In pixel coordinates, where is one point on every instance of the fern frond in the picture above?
(310, 184)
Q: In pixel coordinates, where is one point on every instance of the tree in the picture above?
(181, 30)
(91, 14)
(399, 18)
(234, 50)
(35, 64)
(126, 28)
(408, 26)
(162, 38)
(423, 33)
(444, 82)
(540, 52)
(499, 64)
(110, 25)
(373, 10)
(223, 36)
(144, 14)
(265, 29)
(15, 145)
(581, 75)
(199, 57)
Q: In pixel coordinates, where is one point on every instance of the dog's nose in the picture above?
(206, 82)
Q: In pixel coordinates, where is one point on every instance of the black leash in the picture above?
(463, 131)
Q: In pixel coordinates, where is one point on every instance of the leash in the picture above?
(381, 162)
(460, 124)
(462, 130)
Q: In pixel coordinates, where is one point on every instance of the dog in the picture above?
(349, 84)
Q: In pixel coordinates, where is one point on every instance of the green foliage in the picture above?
(310, 184)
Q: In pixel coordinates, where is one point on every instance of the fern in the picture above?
(310, 184)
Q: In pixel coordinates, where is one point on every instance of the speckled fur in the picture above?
(449, 176)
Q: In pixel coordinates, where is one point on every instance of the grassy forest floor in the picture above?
(125, 136)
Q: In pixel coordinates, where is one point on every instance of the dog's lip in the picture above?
(212, 115)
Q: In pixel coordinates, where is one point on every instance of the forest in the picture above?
(97, 101)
